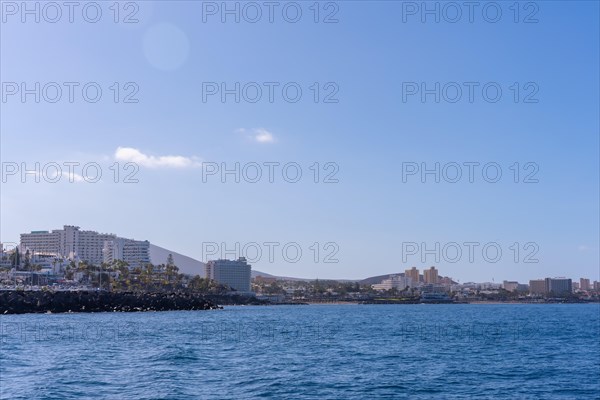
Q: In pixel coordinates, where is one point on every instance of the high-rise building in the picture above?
(537, 286)
(236, 274)
(584, 284)
(69, 242)
(89, 246)
(413, 274)
(41, 242)
(522, 287)
(430, 275)
(551, 286)
(133, 252)
(558, 286)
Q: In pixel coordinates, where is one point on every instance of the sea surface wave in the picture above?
(487, 351)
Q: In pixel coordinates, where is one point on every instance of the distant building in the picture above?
(397, 282)
(430, 275)
(558, 286)
(488, 286)
(537, 286)
(44, 242)
(133, 252)
(510, 286)
(5, 253)
(235, 274)
(433, 288)
(413, 274)
(551, 286)
(75, 244)
(522, 287)
(597, 286)
(69, 242)
(446, 281)
(584, 284)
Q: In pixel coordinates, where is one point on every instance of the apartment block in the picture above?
(430, 275)
(413, 274)
(584, 284)
(133, 252)
(537, 286)
(234, 273)
(90, 246)
(559, 286)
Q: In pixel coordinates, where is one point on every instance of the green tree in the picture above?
(27, 260)
(15, 259)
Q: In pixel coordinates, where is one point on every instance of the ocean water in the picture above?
(307, 352)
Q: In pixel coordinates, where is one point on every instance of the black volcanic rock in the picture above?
(20, 302)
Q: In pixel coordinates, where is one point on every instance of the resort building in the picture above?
(133, 252)
(236, 274)
(553, 286)
(90, 246)
(397, 282)
(558, 286)
(537, 286)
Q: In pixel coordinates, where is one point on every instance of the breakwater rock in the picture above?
(21, 302)
(236, 300)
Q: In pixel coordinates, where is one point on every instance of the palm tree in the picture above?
(27, 260)
(15, 259)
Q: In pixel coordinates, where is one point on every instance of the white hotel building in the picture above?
(133, 252)
(394, 282)
(90, 246)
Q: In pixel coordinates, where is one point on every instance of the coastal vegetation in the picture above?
(117, 276)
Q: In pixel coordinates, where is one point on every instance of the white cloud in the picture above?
(71, 177)
(263, 136)
(54, 176)
(130, 154)
(260, 135)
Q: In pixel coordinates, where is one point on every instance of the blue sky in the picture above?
(369, 133)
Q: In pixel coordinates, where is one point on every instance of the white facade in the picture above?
(41, 242)
(75, 244)
(235, 274)
(133, 252)
(397, 282)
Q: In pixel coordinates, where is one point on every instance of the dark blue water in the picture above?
(309, 352)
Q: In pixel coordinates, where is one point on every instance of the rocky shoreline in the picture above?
(23, 302)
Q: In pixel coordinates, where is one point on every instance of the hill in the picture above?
(377, 279)
(186, 265)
